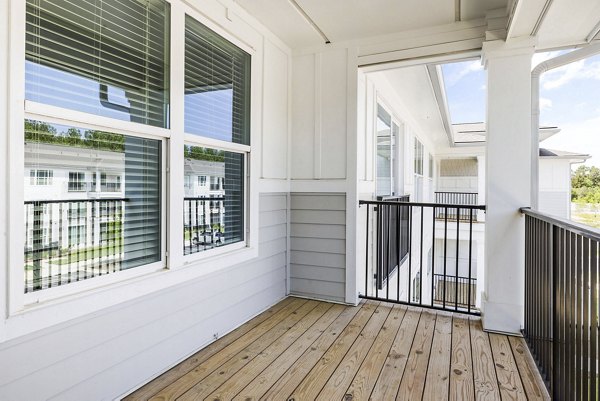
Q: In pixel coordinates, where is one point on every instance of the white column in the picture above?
(508, 180)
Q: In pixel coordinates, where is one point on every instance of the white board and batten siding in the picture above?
(104, 355)
(318, 245)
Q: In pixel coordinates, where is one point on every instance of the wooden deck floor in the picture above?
(309, 350)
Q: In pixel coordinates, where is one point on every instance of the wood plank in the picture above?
(272, 368)
(511, 387)
(311, 385)
(461, 367)
(344, 330)
(437, 381)
(273, 315)
(533, 384)
(263, 381)
(413, 379)
(389, 379)
(364, 380)
(340, 379)
(484, 373)
(223, 383)
(184, 383)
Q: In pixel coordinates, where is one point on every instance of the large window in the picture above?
(385, 159)
(99, 129)
(103, 57)
(217, 92)
(72, 254)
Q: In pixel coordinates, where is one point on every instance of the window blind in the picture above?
(217, 86)
(73, 236)
(104, 57)
(213, 215)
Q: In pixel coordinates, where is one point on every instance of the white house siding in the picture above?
(555, 187)
(102, 356)
(318, 245)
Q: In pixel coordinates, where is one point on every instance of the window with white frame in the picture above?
(418, 167)
(385, 158)
(217, 121)
(76, 181)
(95, 63)
(40, 177)
(98, 93)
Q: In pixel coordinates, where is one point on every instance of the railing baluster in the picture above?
(594, 355)
(421, 263)
(367, 253)
(433, 255)
(457, 259)
(470, 257)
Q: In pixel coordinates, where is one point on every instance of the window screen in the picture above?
(75, 236)
(217, 86)
(213, 215)
(104, 57)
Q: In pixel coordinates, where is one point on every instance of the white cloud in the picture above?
(582, 69)
(469, 67)
(545, 103)
(583, 137)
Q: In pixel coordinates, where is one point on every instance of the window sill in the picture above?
(60, 308)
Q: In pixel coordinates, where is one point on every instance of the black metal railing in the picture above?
(392, 230)
(72, 240)
(411, 281)
(561, 304)
(456, 198)
(203, 219)
(462, 290)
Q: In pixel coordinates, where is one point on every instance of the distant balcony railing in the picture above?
(459, 290)
(203, 219)
(561, 304)
(72, 240)
(456, 198)
(403, 271)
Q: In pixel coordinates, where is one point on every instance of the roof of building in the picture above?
(561, 154)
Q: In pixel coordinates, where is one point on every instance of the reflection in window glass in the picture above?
(217, 86)
(103, 57)
(213, 214)
(384, 152)
(73, 234)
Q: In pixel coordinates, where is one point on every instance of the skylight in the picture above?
(465, 86)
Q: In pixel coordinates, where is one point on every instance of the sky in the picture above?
(569, 99)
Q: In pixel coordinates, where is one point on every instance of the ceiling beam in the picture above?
(435, 78)
(308, 19)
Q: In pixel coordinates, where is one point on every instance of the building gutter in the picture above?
(576, 55)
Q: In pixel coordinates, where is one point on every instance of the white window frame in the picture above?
(40, 309)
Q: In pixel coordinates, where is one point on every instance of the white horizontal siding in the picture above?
(107, 354)
(318, 245)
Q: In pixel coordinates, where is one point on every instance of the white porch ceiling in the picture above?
(343, 20)
(413, 87)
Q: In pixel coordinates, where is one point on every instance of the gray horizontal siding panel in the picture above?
(310, 272)
(319, 289)
(318, 217)
(318, 245)
(323, 201)
(106, 354)
(318, 231)
(318, 259)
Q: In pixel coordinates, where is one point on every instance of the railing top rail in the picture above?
(459, 193)
(572, 226)
(76, 200)
(206, 198)
(423, 204)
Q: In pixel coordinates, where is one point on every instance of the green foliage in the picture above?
(585, 183)
(37, 131)
(200, 153)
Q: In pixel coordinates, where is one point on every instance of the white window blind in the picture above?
(121, 230)
(217, 86)
(104, 57)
